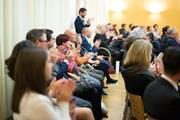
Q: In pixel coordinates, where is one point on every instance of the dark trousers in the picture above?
(104, 66)
(95, 99)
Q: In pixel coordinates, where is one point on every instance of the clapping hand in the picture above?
(157, 66)
(61, 89)
(100, 57)
(65, 90)
(89, 20)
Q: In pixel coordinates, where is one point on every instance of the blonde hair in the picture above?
(139, 54)
(99, 28)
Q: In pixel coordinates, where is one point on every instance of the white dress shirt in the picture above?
(34, 106)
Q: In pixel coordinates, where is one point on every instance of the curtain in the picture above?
(98, 10)
(17, 17)
(79, 4)
(2, 82)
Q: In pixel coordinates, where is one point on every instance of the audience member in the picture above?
(50, 38)
(72, 35)
(164, 38)
(105, 39)
(115, 29)
(156, 32)
(30, 99)
(136, 64)
(38, 36)
(63, 44)
(172, 38)
(149, 33)
(10, 63)
(130, 27)
(123, 31)
(161, 97)
(164, 32)
(135, 34)
(80, 21)
(101, 64)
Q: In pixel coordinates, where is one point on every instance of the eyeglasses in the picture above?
(53, 39)
(44, 41)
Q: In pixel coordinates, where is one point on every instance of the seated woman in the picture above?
(10, 62)
(136, 72)
(69, 55)
(30, 99)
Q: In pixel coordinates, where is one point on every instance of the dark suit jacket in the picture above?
(79, 25)
(104, 41)
(123, 32)
(60, 70)
(136, 80)
(86, 44)
(171, 42)
(162, 101)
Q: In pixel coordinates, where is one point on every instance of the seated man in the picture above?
(172, 38)
(162, 97)
(86, 47)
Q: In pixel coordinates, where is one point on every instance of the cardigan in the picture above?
(35, 106)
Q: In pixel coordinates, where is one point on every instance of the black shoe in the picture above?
(109, 81)
(105, 116)
(104, 93)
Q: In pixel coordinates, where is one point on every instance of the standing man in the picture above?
(80, 21)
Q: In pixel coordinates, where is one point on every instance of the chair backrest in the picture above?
(107, 52)
(137, 107)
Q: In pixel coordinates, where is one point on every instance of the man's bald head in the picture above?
(172, 32)
(86, 32)
(71, 33)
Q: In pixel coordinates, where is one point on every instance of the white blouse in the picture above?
(34, 106)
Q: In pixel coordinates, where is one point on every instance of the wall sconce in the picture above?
(155, 8)
(117, 6)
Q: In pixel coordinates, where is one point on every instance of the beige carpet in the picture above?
(115, 100)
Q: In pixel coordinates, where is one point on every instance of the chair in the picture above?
(137, 107)
(10, 118)
(127, 110)
(106, 52)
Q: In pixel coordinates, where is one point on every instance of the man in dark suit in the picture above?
(103, 64)
(86, 34)
(162, 97)
(80, 22)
